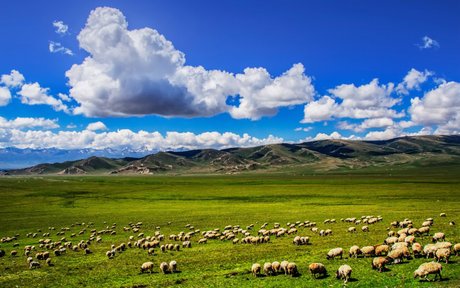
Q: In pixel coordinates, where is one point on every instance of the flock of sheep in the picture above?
(400, 243)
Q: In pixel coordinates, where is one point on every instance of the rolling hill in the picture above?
(325, 155)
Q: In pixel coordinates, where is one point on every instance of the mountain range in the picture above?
(324, 155)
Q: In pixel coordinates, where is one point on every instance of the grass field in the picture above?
(208, 202)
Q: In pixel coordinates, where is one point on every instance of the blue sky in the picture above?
(316, 64)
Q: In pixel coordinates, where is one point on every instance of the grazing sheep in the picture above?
(379, 263)
(151, 251)
(397, 255)
(14, 253)
(48, 262)
(417, 249)
(334, 253)
(255, 269)
(203, 241)
(430, 250)
(344, 273)
(368, 251)
(443, 253)
(164, 267)
(442, 215)
(456, 249)
(292, 269)
(438, 237)
(428, 268)
(354, 251)
(352, 229)
(268, 269)
(88, 251)
(110, 254)
(424, 230)
(283, 266)
(381, 250)
(147, 266)
(365, 228)
(173, 266)
(391, 240)
(317, 268)
(34, 264)
(440, 245)
(276, 266)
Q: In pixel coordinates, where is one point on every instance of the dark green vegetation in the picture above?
(208, 202)
(326, 155)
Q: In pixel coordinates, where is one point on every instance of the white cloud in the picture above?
(428, 43)
(71, 126)
(412, 81)
(138, 72)
(304, 129)
(366, 101)
(28, 122)
(64, 97)
(324, 136)
(128, 139)
(61, 28)
(56, 47)
(5, 96)
(33, 94)
(96, 126)
(367, 124)
(389, 133)
(439, 107)
(12, 80)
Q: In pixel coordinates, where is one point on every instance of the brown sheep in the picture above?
(255, 269)
(379, 263)
(317, 269)
(292, 269)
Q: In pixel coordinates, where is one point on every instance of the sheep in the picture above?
(428, 268)
(173, 266)
(397, 255)
(379, 263)
(2, 253)
(443, 215)
(268, 269)
(430, 250)
(424, 230)
(365, 228)
(443, 253)
(34, 264)
(317, 268)
(354, 251)
(151, 251)
(203, 241)
(110, 254)
(276, 266)
(438, 236)
(48, 262)
(352, 229)
(292, 269)
(391, 240)
(456, 249)
(88, 251)
(368, 251)
(14, 253)
(417, 249)
(382, 250)
(283, 266)
(255, 269)
(440, 245)
(164, 267)
(147, 266)
(344, 273)
(334, 253)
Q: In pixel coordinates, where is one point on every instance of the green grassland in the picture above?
(214, 201)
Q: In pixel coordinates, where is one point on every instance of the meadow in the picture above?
(170, 202)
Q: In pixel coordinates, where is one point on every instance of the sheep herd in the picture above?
(402, 242)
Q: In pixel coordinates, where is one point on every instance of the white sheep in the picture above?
(164, 267)
(354, 251)
(255, 269)
(344, 273)
(438, 236)
(334, 253)
(34, 264)
(443, 253)
(268, 269)
(147, 266)
(292, 269)
(428, 268)
(173, 266)
(379, 263)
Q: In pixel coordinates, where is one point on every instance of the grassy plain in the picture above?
(208, 202)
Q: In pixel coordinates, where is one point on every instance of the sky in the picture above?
(160, 75)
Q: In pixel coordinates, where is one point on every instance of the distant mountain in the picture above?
(15, 158)
(325, 155)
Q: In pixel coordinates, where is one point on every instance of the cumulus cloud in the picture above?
(125, 138)
(367, 124)
(12, 80)
(324, 136)
(439, 107)
(28, 123)
(412, 81)
(56, 47)
(5, 96)
(371, 100)
(95, 126)
(60, 27)
(33, 94)
(428, 43)
(139, 72)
